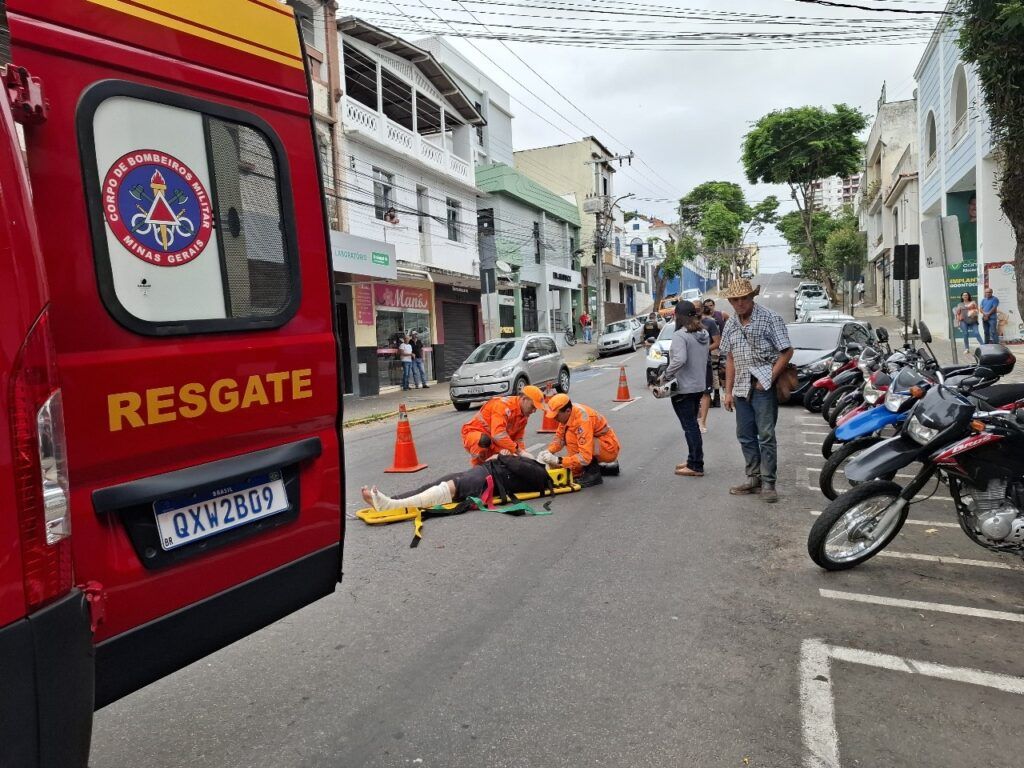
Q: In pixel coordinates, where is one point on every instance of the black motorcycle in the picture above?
(861, 522)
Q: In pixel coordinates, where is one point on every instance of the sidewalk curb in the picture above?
(389, 414)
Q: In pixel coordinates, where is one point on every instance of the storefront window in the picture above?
(392, 324)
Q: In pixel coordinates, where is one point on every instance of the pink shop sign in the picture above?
(400, 297)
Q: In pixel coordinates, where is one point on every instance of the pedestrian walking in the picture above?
(860, 291)
(585, 326)
(417, 360)
(688, 364)
(967, 316)
(990, 316)
(405, 355)
(757, 349)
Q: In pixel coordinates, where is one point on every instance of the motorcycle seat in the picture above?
(999, 395)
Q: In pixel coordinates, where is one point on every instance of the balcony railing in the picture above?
(931, 164)
(959, 129)
(360, 118)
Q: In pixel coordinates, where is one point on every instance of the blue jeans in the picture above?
(418, 374)
(586, 334)
(992, 329)
(687, 407)
(970, 331)
(406, 373)
(756, 415)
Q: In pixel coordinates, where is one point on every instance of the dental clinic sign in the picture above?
(400, 297)
(362, 256)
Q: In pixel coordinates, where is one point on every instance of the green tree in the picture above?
(992, 38)
(834, 240)
(693, 204)
(677, 253)
(800, 145)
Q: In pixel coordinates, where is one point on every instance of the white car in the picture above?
(621, 336)
(810, 300)
(657, 353)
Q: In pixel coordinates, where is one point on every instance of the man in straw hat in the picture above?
(756, 349)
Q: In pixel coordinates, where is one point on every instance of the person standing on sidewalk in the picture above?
(718, 370)
(967, 315)
(405, 355)
(990, 316)
(688, 365)
(417, 360)
(757, 349)
(585, 326)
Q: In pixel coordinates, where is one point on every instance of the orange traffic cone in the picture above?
(623, 394)
(549, 426)
(405, 450)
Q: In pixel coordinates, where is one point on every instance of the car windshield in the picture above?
(616, 327)
(667, 331)
(668, 303)
(813, 336)
(814, 294)
(493, 351)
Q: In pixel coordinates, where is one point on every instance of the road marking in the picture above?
(921, 605)
(819, 469)
(820, 434)
(629, 402)
(817, 701)
(951, 560)
(928, 523)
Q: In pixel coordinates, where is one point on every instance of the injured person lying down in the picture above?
(498, 477)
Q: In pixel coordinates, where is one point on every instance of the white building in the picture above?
(889, 206)
(410, 186)
(958, 168)
(832, 193)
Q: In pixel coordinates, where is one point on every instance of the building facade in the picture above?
(958, 169)
(583, 172)
(832, 193)
(410, 198)
(888, 207)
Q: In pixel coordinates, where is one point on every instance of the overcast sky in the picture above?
(683, 111)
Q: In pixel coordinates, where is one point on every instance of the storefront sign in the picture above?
(363, 293)
(362, 256)
(400, 297)
(458, 289)
(561, 276)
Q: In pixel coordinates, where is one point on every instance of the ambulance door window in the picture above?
(191, 213)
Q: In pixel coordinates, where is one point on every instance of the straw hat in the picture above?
(739, 289)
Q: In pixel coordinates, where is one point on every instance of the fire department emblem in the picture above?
(157, 207)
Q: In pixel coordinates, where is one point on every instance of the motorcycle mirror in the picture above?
(882, 335)
(922, 330)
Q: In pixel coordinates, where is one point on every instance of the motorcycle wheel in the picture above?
(828, 444)
(814, 397)
(839, 538)
(833, 398)
(827, 480)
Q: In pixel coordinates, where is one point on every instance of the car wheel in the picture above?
(563, 381)
(519, 384)
(461, 406)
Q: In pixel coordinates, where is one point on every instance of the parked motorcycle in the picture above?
(875, 389)
(948, 431)
(843, 360)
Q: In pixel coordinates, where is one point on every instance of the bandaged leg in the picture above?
(429, 497)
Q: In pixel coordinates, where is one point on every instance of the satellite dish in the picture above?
(503, 267)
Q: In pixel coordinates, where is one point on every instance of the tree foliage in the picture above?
(798, 146)
(837, 243)
(677, 253)
(727, 193)
(992, 38)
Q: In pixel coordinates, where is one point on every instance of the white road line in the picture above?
(818, 470)
(926, 523)
(630, 402)
(921, 605)
(820, 434)
(817, 702)
(814, 455)
(951, 560)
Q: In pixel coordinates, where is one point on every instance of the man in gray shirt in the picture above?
(757, 349)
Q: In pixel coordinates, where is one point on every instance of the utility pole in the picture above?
(602, 207)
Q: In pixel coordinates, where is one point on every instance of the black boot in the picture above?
(716, 400)
(611, 469)
(591, 475)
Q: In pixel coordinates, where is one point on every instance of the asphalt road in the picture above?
(651, 621)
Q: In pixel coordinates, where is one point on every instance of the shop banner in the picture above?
(362, 256)
(962, 277)
(400, 297)
(363, 293)
(1001, 277)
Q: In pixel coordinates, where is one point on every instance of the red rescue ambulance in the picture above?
(170, 477)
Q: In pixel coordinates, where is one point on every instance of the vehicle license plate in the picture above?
(184, 519)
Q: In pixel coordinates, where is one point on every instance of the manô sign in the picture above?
(400, 297)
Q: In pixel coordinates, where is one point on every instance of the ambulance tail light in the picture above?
(40, 469)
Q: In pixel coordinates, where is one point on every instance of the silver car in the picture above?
(621, 336)
(505, 366)
(657, 353)
(812, 299)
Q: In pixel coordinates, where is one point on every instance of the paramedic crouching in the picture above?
(587, 438)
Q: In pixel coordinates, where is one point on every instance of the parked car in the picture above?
(814, 344)
(796, 272)
(620, 336)
(668, 305)
(825, 316)
(747, 274)
(505, 366)
(811, 299)
(807, 285)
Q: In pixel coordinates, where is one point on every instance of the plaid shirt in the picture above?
(754, 347)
